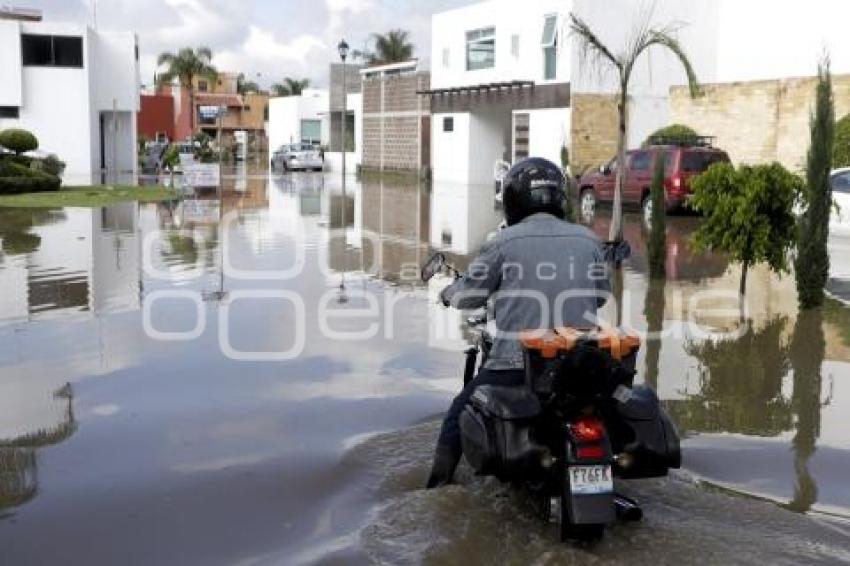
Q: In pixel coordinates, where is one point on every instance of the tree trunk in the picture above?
(191, 110)
(615, 234)
(744, 268)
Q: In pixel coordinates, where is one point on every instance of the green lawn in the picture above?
(89, 196)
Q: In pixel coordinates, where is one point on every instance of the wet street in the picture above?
(169, 393)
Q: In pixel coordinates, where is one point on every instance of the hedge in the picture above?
(16, 179)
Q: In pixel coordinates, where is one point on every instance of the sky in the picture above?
(272, 38)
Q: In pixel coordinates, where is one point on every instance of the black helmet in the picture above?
(534, 185)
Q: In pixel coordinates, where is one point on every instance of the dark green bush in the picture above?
(673, 131)
(841, 147)
(16, 178)
(18, 141)
(51, 165)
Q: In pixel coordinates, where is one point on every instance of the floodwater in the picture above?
(180, 384)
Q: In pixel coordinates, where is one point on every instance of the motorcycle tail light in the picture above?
(594, 452)
(677, 182)
(587, 430)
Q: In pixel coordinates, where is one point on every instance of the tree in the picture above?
(673, 132)
(808, 349)
(391, 47)
(18, 141)
(290, 87)
(841, 151)
(643, 38)
(812, 263)
(749, 214)
(186, 65)
(657, 245)
(244, 87)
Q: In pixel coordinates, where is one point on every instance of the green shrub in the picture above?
(19, 185)
(841, 147)
(18, 141)
(51, 165)
(171, 157)
(16, 179)
(673, 131)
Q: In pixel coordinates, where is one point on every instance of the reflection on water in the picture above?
(763, 410)
(18, 463)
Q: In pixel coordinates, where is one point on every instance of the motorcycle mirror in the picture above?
(433, 266)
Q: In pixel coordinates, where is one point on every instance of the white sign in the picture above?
(202, 175)
(211, 112)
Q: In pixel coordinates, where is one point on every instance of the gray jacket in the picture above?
(540, 273)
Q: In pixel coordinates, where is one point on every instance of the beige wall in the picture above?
(593, 130)
(392, 111)
(757, 121)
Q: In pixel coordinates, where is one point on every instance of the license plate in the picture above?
(587, 480)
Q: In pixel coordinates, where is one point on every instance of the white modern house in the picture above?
(303, 118)
(504, 80)
(75, 88)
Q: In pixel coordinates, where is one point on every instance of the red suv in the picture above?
(682, 162)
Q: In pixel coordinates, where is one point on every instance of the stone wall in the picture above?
(757, 121)
(593, 130)
(395, 122)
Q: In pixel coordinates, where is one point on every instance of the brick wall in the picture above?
(758, 121)
(593, 130)
(392, 112)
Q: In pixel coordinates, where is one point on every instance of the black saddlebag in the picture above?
(495, 430)
(648, 434)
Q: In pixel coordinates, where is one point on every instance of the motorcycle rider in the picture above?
(541, 271)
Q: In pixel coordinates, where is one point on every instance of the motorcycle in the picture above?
(577, 424)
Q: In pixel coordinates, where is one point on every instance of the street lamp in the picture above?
(343, 54)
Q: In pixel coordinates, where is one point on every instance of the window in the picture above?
(515, 46)
(841, 183)
(480, 49)
(550, 47)
(640, 161)
(202, 86)
(446, 58)
(52, 51)
(311, 132)
(699, 161)
(522, 123)
(448, 124)
(9, 112)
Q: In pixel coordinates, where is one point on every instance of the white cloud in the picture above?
(340, 10)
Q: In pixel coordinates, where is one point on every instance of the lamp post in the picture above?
(343, 54)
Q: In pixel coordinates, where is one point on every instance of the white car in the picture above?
(297, 156)
(839, 220)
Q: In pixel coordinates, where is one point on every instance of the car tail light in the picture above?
(677, 182)
(587, 429)
(593, 452)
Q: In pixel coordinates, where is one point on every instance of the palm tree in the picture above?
(290, 87)
(244, 86)
(392, 47)
(185, 66)
(593, 50)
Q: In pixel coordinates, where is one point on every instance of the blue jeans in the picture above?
(450, 433)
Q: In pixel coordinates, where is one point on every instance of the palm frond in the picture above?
(592, 48)
(663, 38)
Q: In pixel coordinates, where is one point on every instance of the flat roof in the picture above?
(484, 87)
